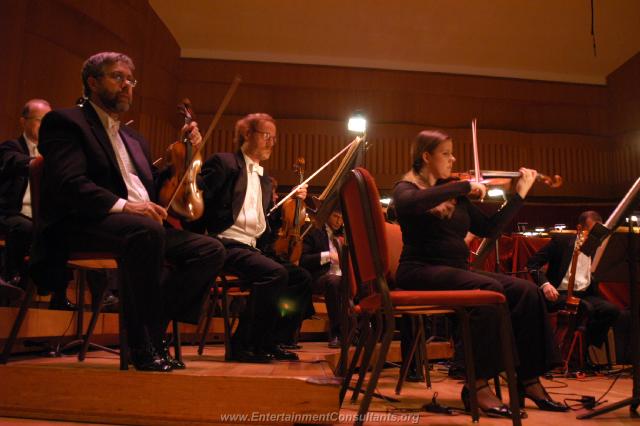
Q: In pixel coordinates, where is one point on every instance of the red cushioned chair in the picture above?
(369, 254)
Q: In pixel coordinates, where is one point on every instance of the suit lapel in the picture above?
(100, 133)
(265, 185)
(23, 144)
(240, 188)
(139, 159)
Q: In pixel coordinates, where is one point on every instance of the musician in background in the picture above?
(320, 256)
(15, 198)
(238, 195)
(596, 312)
(98, 194)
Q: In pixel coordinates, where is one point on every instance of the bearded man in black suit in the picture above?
(98, 194)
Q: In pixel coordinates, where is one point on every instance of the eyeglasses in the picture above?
(120, 78)
(267, 136)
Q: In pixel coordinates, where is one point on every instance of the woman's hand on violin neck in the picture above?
(146, 208)
(478, 189)
(526, 181)
(191, 132)
(301, 193)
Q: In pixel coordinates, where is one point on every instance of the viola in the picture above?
(289, 242)
(179, 191)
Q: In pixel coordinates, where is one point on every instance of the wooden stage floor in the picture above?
(95, 391)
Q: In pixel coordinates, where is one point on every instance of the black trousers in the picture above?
(19, 234)
(597, 313)
(279, 300)
(329, 286)
(533, 337)
(166, 272)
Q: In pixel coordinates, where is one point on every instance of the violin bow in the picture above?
(476, 157)
(293, 191)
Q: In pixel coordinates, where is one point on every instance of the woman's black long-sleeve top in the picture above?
(428, 238)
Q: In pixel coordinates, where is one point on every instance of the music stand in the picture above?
(616, 250)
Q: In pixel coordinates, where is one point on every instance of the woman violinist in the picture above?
(434, 218)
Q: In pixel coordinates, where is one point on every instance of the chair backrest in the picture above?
(394, 247)
(36, 167)
(365, 229)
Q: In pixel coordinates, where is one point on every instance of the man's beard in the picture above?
(112, 102)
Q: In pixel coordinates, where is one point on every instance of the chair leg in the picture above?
(177, 346)
(469, 364)
(17, 323)
(86, 340)
(122, 328)
(507, 358)
(387, 337)
(369, 349)
(362, 338)
(411, 356)
(213, 299)
(424, 353)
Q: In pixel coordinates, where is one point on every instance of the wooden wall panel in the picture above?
(554, 127)
(50, 40)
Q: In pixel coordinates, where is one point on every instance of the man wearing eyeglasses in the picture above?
(98, 194)
(15, 198)
(238, 195)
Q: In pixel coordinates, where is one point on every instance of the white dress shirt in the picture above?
(250, 223)
(325, 256)
(135, 189)
(583, 274)
(26, 199)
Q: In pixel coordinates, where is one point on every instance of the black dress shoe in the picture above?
(497, 411)
(280, 354)
(245, 355)
(62, 305)
(545, 403)
(10, 291)
(163, 352)
(147, 360)
(290, 346)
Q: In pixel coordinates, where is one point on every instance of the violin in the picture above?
(572, 301)
(179, 192)
(289, 242)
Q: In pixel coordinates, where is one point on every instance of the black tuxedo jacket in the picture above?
(14, 175)
(314, 243)
(223, 179)
(81, 181)
(557, 254)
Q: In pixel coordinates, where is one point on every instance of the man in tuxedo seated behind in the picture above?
(238, 196)
(15, 197)
(320, 257)
(596, 312)
(98, 194)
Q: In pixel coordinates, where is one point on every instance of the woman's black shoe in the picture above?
(545, 404)
(163, 352)
(498, 411)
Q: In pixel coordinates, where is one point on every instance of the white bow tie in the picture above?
(256, 168)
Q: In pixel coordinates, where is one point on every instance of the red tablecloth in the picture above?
(515, 251)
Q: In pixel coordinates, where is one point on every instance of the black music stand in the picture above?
(617, 260)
